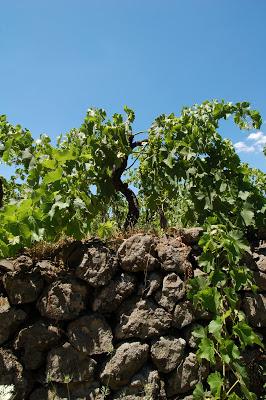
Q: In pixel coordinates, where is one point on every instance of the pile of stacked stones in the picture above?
(108, 324)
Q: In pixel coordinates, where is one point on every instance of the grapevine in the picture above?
(184, 172)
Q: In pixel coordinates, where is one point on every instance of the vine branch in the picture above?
(1, 193)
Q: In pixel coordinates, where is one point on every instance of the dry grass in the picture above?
(48, 250)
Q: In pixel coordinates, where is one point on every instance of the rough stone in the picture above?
(91, 334)
(127, 360)
(23, 287)
(184, 314)
(254, 306)
(10, 319)
(262, 233)
(167, 353)
(191, 340)
(42, 393)
(146, 307)
(109, 298)
(11, 373)
(6, 265)
(185, 377)
(122, 396)
(253, 359)
(49, 270)
(73, 391)
(36, 340)
(77, 391)
(83, 391)
(72, 253)
(98, 266)
(172, 255)
(248, 260)
(191, 236)
(138, 253)
(23, 263)
(260, 280)
(65, 362)
(172, 291)
(63, 300)
(260, 258)
(151, 284)
(145, 384)
(142, 319)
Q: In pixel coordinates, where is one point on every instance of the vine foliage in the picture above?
(228, 334)
(185, 173)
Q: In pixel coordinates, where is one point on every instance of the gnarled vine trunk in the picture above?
(1, 193)
(122, 187)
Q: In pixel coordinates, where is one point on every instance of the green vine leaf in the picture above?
(216, 382)
(198, 393)
(206, 350)
(53, 176)
(215, 328)
(246, 335)
(248, 216)
(234, 396)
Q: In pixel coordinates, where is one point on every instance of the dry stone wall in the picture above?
(100, 323)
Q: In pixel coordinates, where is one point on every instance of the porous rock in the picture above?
(23, 263)
(109, 298)
(138, 253)
(146, 384)
(98, 266)
(42, 393)
(172, 291)
(91, 334)
(36, 340)
(142, 319)
(6, 265)
(191, 236)
(63, 300)
(167, 353)
(185, 377)
(11, 373)
(248, 260)
(23, 287)
(254, 306)
(82, 391)
(190, 338)
(127, 360)
(260, 280)
(49, 270)
(65, 362)
(10, 319)
(260, 258)
(150, 284)
(72, 253)
(184, 314)
(77, 391)
(254, 362)
(173, 255)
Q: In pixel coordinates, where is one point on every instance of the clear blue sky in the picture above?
(59, 57)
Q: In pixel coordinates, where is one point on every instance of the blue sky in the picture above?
(60, 57)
